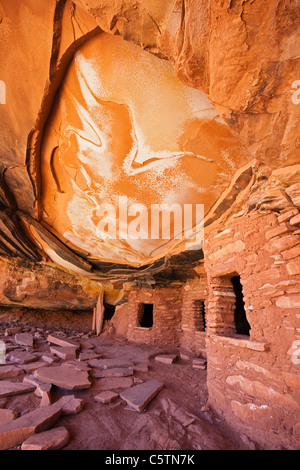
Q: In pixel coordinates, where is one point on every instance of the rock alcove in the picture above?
(110, 111)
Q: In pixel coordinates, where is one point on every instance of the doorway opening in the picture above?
(109, 311)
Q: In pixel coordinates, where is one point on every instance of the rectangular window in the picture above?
(242, 326)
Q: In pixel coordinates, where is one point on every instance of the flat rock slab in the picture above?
(41, 387)
(66, 377)
(31, 367)
(22, 357)
(11, 347)
(88, 355)
(70, 405)
(140, 395)
(166, 358)
(76, 364)
(141, 367)
(112, 383)
(110, 363)
(24, 339)
(55, 438)
(9, 389)
(64, 352)
(61, 341)
(46, 399)
(6, 416)
(9, 371)
(106, 397)
(22, 428)
(119, 372)
(50, 358)
(85, 345)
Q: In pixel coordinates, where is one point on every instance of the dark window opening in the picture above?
(109, 311)
(146, 318)
(199, 315)
(241, 323)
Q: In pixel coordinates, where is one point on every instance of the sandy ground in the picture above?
(178, 418)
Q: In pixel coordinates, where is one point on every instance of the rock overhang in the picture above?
(167, 33)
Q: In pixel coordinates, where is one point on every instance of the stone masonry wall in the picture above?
(177, 320)
(255, 381)
(192, 327)
(166, 315)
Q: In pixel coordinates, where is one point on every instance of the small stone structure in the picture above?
(252, 373)
(177, 311)
(253, 380)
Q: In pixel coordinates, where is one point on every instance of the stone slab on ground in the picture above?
(9, 347)
(64, 352)
(66, 377)
(9, 389)
(6, 416)
(24, 339)
(140, 395)
(112, 383)
(50, 358)
(62, 341)
(110, 363)
(9, 371)
(119, 372)
(22, 357)
(70, 404)
(141, 367)
(106, 397)
(88, 355)
(42, 390)
(76, 364)
(86, 345)
(31, 367)
(46, 398)
(166, 358)
(53, 439)
(22, 428)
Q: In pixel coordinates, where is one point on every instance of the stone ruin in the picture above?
(119, 299)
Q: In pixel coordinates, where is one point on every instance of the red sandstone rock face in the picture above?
(43, 286)
(129, 130)
(145, 64)
(242, 55)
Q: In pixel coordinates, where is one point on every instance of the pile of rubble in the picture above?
(38, 362)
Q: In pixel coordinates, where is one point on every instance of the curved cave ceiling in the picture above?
(123, 127)
(142, 102)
